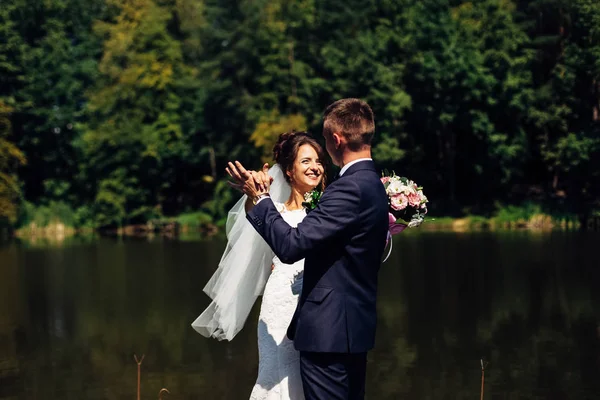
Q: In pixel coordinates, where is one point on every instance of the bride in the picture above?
(249, 266)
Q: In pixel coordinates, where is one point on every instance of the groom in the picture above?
(342, 242)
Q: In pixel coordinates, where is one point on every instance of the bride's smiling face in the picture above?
(307, 171)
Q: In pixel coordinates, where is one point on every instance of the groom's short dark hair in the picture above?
(352, 118)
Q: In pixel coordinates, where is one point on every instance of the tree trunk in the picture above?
(213, 162)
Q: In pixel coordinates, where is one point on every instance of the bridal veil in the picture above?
(242, 272)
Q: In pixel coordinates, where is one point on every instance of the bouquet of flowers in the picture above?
(408, 204)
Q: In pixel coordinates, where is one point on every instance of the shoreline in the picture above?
(173, 229)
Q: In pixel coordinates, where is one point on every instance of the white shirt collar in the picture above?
(351, 163)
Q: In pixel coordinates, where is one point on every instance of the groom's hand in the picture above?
(251, 183)
(263, 178)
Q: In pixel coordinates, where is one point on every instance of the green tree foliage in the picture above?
(11, 52)
(134, 139)
(11, 76)
(563, 122)
(10, 158)
(469, 83)
(128, 110)
(58, 65)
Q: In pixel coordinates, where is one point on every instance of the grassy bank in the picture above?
(528, 216)
(539, 222)
(59, 221)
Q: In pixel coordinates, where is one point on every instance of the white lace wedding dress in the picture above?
(279, 363)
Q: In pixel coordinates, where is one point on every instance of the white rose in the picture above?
(406, 189)
(394, 187)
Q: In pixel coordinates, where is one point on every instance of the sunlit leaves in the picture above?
(270, 127)
(10, 158)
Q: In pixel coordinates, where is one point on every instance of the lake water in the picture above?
(73, 315)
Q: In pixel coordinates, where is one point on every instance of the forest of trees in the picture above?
(115, 112)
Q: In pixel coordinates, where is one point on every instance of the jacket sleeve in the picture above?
(337, 210)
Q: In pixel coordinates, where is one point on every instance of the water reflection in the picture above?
(71, 318)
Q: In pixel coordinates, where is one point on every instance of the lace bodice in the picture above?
(293, 218)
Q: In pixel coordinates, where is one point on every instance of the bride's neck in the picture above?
(295, 200)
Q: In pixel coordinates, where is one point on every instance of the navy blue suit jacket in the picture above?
(342, 242)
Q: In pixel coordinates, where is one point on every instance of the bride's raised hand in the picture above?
(245, 180)
(238, 172)
(239, 175)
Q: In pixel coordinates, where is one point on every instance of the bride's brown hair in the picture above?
(286, 149)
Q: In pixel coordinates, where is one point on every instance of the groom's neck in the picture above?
(349, 156)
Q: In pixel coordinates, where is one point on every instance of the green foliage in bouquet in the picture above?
(311, 199)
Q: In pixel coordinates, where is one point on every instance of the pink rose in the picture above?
(399, 201)
(414, 199)
(385, 179)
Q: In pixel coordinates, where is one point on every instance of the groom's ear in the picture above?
(337, 139)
